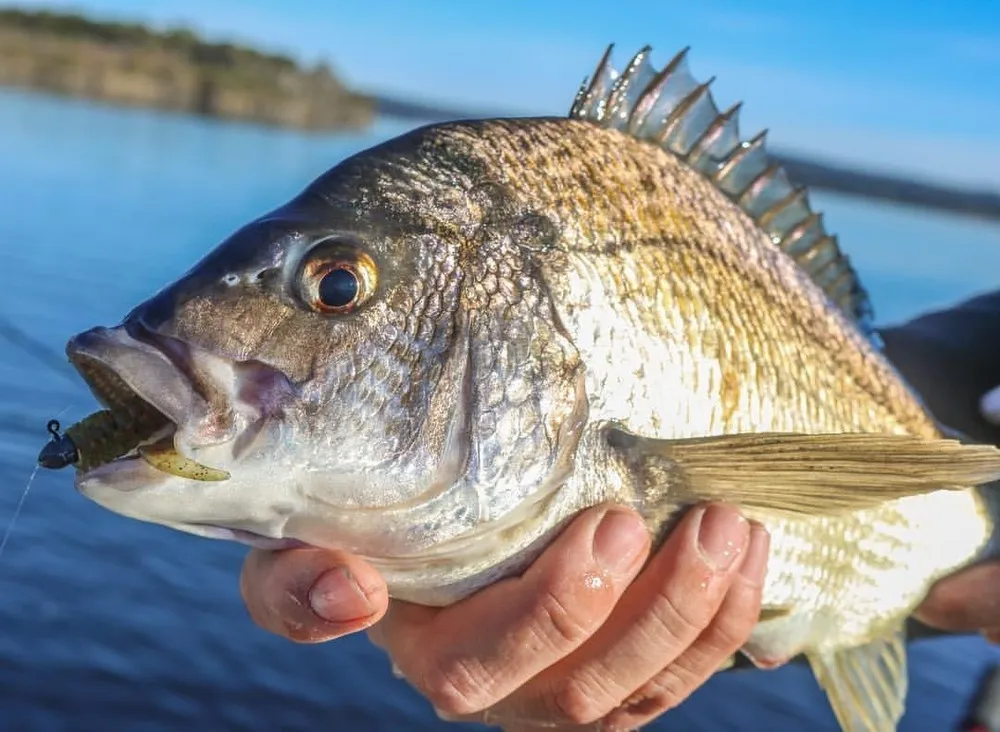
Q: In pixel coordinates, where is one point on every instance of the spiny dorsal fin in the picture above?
(670, 108)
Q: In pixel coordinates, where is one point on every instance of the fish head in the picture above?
(374, 366)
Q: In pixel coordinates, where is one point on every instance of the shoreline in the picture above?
(132, 65)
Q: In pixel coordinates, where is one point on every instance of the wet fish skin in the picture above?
(560, 309)
(367, 385)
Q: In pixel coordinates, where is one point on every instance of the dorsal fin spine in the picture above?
(842, 285)
(751, 193)
(672, 135)
(591, 98)
(737, 173)
(630, 83)
(785, 214)
(804, 234)
(672, 110)
(647, 100)
(702, 155)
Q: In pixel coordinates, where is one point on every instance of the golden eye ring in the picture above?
(338, 282)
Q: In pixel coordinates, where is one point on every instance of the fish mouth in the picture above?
(240, 536)
(149, 402)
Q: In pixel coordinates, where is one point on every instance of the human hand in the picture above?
(312, 595)
(966, 601)
(582, 636)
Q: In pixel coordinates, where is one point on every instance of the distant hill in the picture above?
(131, 64)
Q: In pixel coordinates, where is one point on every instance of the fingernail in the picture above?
(620, 541)
(755, 563)
(722, 536)
(337, 598)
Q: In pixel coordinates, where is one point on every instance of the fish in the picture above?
(448, 345)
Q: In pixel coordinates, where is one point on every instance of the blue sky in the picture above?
(906, 85)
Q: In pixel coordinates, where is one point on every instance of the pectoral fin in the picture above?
(805, 474)
(866, 685)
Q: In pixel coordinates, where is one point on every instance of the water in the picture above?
(106, 622)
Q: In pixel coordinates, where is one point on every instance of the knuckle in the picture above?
(576, 704)
(678, 620)
(675, 683)
(736, 619)
(562, 625)
(457, 687)
(664, 692)
(731, 629)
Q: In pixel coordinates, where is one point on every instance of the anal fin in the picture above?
(866, 685)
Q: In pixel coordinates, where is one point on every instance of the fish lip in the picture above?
(108, 358)
(240, 536)
(119, 368)
(181, 355)
(209, 400)
(111, 473)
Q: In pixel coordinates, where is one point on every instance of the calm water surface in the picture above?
(106, 622)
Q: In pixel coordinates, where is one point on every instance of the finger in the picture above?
(466, 657)
(311, 595)
(725, 635)
(965, 601)
(664, 611)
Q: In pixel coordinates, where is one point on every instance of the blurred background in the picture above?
(137, 134)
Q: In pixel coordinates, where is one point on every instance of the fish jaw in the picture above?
(228, 416)
(236, 510)
(118, 367)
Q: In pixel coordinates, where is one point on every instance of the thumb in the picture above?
(312, 595)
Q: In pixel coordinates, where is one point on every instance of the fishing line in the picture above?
(17, 511)
(20, 503)
(34, 348)
(37, 350)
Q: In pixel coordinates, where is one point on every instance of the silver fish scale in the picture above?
(692, 322)
(671, 109)
(518, 423)
(685, 376)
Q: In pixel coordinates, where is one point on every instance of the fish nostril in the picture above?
(138, 327)
(265, 277)
(156, 311)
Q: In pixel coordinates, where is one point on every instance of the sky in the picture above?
(901, 85)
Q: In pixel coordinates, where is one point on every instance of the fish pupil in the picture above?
(338, 288)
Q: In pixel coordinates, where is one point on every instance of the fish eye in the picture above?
(339, 288)
(337, 280)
